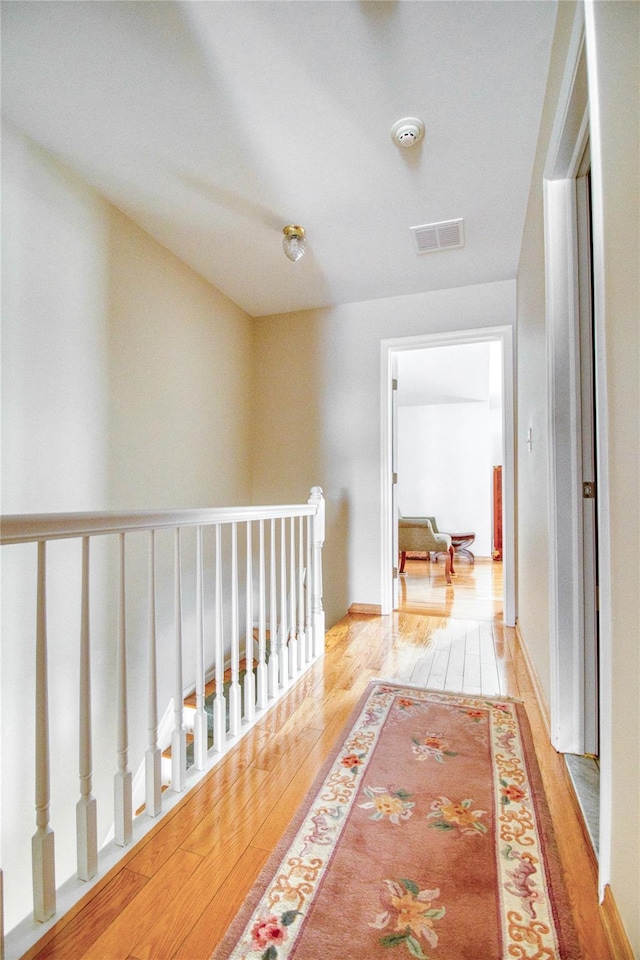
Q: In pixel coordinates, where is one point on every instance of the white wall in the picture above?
(125, 383)
(613, 63)
(445, 470)
(318, 415)
(55, 285)
(613, 53)
(179, 369)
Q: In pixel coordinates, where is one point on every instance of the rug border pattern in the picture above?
(519, 841)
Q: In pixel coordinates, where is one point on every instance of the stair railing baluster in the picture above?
(235, 700)
(262, 626)
(153, 758)
(86, 809)
(179, 733)
(219, 703)
(308, 632)
(200, 725)
(249, 676)
(293, 637)
(273, 614)
(302, 646)
(123, 780)
(283, 633)
(43, 841)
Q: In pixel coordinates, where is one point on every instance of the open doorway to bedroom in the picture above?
(449, 467)
(466, 419)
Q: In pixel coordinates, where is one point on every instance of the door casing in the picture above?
(388, 351)
(577, 121)
(572, 541)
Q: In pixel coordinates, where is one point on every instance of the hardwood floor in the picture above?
(475, 594)
(178, 890)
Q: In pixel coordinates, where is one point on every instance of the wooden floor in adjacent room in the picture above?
(176, 893)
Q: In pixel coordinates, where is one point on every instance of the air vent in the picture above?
(439, 236)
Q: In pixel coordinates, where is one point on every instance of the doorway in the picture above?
(449, 438)
(391, 353)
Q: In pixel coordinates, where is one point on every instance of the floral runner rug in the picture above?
(425, 835)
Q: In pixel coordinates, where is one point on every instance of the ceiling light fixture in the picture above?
(294, 243)
(407, 132)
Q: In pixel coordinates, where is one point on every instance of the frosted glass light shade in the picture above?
(294, 243)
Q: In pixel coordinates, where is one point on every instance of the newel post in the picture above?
(317, 542)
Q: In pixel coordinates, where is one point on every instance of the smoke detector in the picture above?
(407, 132)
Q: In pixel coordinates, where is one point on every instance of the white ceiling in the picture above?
(213, 124)
(455, 373)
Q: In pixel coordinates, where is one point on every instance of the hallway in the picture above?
(177, 892)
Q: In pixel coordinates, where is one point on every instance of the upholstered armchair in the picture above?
(417, 534)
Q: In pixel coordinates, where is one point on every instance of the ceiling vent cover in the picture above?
(439, 236)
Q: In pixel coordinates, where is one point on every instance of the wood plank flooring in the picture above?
(474, 594)
(174, 896)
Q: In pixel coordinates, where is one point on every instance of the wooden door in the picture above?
(496, 553)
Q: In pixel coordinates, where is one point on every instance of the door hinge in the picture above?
(394, 384)
(395, 573)
(589, 490)
(394, 478)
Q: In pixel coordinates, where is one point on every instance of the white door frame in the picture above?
(388, 348)
(576, 121)
(603, 459)
(572, 521)
(566, 589)
(567, 694)
(572, 541)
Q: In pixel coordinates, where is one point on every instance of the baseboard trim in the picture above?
(536, 686)
(371, 609)
(614, 928)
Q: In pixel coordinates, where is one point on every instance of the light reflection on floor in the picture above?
(474, 594)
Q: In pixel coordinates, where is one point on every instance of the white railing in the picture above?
(274, 553)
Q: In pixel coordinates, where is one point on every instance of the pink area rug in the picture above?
(425, 835)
